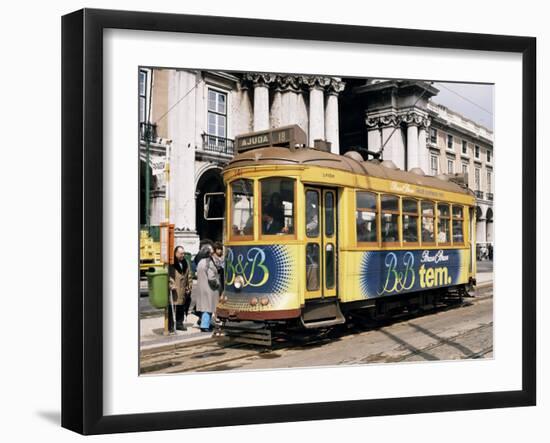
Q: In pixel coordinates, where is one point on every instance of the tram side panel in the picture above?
(262, 282)
(373, 274)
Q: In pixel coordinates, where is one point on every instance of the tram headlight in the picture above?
(239, 282)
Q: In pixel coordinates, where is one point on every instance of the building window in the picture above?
(143, 96)
(477, 179)
(450, 166)
(277, 206)
(433, 136)
(488, 156)
(217, 114)
(464, 147)
(477, 151)
(433, 164)
(443, 223)
(410, 220)
(242, 209)
(450, 142)
(465, 171)
(489, 181)
(389, 208)
(427, 209)
(366, 217)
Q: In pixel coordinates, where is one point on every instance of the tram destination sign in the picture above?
(287, 136)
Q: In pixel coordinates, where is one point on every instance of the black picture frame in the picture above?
(82, 218)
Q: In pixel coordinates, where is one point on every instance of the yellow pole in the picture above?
(167, 217)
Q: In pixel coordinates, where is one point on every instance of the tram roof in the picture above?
(314, 157)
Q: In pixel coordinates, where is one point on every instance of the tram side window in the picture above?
(366, 216)
(428, 235)
(277, 206)
(242, 208)
(410, 220)
(458, 224)
(443, 225)
(389, 206)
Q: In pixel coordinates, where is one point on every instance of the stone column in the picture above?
(316, 117)
(261, 99)
(317, 86)
(277, 109)
(423, 154)
(412, 146)
(423, 151)
(331, 114)
(288, 85)
(374, 139)
(261, 107)
(181, 124)
(489, 231)
(481, 234)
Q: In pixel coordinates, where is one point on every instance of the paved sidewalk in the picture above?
(484, 278)
(152, 334)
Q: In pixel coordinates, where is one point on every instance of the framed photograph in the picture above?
(269, 221)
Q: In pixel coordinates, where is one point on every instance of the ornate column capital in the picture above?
(287, 83)
(416, 118)
(383, 121)
(260, 79)
(315, 81)
(335, 86)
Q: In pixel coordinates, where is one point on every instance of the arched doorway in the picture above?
(489, 228)
(142, 194)
(210, 181)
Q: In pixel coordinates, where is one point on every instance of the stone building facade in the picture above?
(402, 124)
(195, 115)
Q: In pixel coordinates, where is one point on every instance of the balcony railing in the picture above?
(479, 194)
(147, 131)
(489, 196)
(213, 143)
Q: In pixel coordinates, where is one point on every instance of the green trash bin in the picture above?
(157, 279)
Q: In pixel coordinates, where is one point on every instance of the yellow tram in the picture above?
(311, 235)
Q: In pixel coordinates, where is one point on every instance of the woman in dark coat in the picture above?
(181, 283)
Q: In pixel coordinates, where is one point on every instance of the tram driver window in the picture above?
(277, 206)
(242, 208)
(366, 217)
(389, 206)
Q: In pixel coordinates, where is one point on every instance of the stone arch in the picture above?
(479, 213)
(489, 226)
(142, 194)
(209, 179)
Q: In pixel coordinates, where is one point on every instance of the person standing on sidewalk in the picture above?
(219, 261)
(206, 292)
(181, 283)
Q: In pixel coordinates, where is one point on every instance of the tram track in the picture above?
(220, 353)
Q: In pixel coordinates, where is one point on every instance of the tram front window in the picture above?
(242, 208)
(277, 206)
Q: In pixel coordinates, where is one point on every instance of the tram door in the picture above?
(321, 244)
